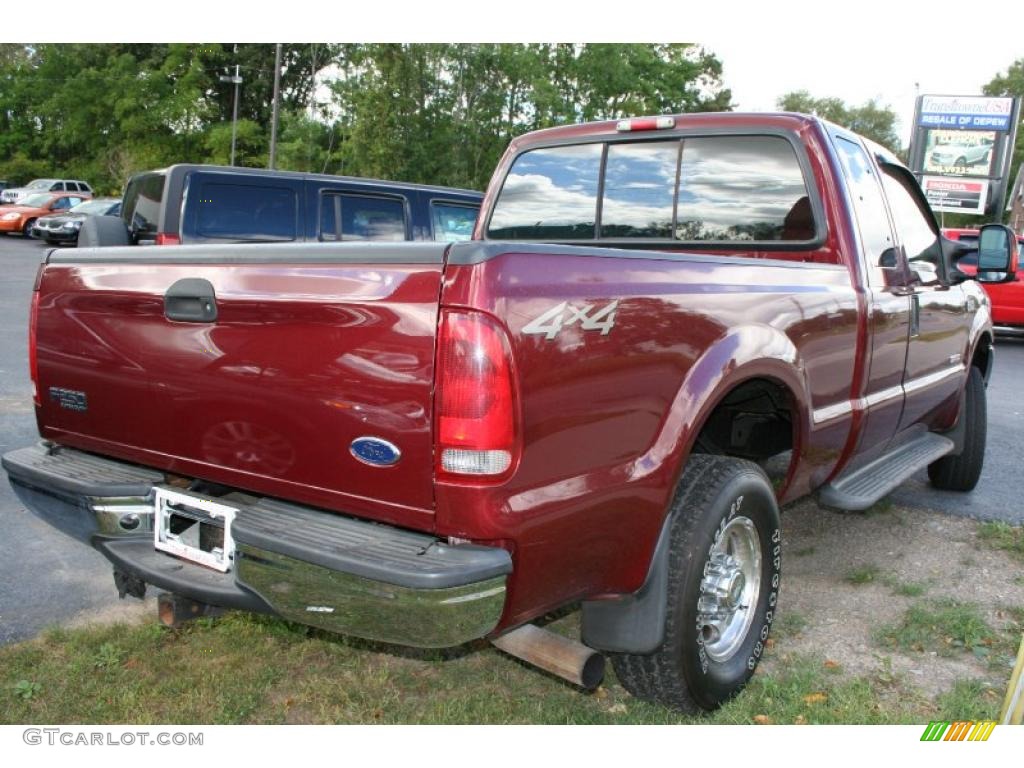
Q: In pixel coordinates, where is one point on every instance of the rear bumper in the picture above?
(309, 566)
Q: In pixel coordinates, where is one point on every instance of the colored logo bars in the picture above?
(961, 730)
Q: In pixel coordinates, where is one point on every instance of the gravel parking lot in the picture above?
(46, 578)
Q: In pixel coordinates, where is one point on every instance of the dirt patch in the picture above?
(123, 612)
(847, 575)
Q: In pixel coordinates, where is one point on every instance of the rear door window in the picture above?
(245, 212)
(359, 217)
(452, 223)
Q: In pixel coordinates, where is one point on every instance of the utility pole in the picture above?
(277, 99)
(237, 80)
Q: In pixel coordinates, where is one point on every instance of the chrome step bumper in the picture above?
(310, 566)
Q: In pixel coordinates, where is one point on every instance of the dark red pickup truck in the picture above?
(663, 329)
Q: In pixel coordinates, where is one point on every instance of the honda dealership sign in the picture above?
(961, 150)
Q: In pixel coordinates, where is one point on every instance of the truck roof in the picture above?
(788, 120)
(184, 167)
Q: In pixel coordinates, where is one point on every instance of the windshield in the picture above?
(92, 206)
(36, 201)
(39, 183)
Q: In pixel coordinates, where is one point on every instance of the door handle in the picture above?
(191, 300)
(915, 315)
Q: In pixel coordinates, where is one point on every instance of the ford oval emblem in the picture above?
(375, 452)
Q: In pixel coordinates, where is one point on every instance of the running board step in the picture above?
(861, 488)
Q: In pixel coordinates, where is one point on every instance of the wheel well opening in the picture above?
(754, 421)
(982, 359)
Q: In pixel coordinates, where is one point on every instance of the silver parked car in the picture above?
(17, 194)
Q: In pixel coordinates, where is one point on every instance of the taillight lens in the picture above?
(33, 360)
(164, 238)
(475, 402)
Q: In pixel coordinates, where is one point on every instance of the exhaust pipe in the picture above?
(553, 653)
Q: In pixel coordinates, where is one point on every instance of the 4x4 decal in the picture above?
(565, 314)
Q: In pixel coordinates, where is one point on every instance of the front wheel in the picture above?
(961, 473)
(724, 571)
(26, 231)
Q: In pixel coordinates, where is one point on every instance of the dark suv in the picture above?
(211, 204)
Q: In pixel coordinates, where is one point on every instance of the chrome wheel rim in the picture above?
(729, 589)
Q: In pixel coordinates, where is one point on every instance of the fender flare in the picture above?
(634, 623)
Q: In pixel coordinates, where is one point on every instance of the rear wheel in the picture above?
(724, 571)
(961, 473)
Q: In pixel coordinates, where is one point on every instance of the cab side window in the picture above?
(915, 229)
(884, 266)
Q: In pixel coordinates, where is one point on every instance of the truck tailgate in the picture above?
(312, 348)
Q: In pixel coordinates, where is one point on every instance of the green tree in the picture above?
(1010, 84)
(869, 119)
(444, 113)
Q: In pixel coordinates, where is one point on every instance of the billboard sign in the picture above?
(966, 112)
(959, 153)
(956, 195)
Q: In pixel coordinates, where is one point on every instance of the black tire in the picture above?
(961, 473)
(961, 164)
(716, 494)
(26, 231)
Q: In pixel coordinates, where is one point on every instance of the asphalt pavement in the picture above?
(47, 578)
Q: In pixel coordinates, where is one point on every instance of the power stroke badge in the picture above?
(71, 399)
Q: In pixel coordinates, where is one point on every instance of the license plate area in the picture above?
(194, 528)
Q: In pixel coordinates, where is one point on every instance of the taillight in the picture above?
(475, 403)
(165, 238)
(33, 360)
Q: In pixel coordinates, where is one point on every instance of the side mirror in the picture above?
(997, 254)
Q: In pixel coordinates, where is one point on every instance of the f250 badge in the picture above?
(565, 314)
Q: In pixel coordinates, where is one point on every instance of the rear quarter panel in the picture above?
(608, 419)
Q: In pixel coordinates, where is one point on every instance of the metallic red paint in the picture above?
(301, 361)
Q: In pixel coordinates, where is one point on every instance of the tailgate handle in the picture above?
(191, 300)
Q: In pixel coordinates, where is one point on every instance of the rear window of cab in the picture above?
(714, 189)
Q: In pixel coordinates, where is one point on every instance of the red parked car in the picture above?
(1007, 298)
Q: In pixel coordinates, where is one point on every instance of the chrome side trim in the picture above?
(830, 412)
(353, 605)
(836, 410)
(923, 382)
(881, 396)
